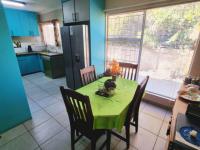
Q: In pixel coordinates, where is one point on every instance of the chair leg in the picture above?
(136, 123)
(93, 144)
(108, 140)
(77, 133)
(73, 139)
(127, 136)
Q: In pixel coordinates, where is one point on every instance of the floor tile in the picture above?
(33, 106)
(25, 81)
(56, 108)
(38, 96)
(60, 81)
(45, 131)
(46, 85)
(143, 140)
(53, 90)
(154, 111)
(142, 105)
(160, 144)
(163, 130)
(33, 90)
(41, 80)
(58, 96)
(37, 119)
(87, 143)
(122, 146)
(168, 116)
(63, 119)
(61, 141)
(28, 85)
(150, 123)
(23, 142)
(47, 101)
(11, 134)
(34, 76)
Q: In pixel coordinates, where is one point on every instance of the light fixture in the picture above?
(13, 3)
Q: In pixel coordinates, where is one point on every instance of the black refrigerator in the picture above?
(75, 43)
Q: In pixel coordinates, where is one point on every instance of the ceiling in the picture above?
(40, 6)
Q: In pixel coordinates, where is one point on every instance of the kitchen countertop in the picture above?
(39, 53)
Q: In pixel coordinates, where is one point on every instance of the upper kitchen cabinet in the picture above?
(75, 10)
(22, 23)
(82, 10)
(68, 11)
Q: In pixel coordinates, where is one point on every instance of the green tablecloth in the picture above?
(110, 113)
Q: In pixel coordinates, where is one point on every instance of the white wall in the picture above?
(56, 14)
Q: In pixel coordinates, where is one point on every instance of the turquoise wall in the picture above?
(14, 107)
(97, 33)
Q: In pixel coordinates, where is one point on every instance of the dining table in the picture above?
(110, 112)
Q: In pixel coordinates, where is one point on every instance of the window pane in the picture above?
(169, 38)
(48, 34)
(124, 37)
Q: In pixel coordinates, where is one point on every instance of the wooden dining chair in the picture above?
(88, 75)
(133, 112)
(128, 70)
(80, 117)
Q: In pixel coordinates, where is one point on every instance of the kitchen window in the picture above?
(51, 33)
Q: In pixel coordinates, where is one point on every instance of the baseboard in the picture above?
(159, 100)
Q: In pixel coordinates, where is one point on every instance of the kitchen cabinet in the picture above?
(82, 10)
(51, 65)
(22, 23)
(29, 64)
(54, 66)
(68, 11)
(75, 10)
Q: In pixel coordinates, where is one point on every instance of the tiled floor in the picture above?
(49, 128)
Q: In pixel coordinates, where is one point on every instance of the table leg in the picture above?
(108, 139)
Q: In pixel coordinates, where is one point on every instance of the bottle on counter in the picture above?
(188, 80)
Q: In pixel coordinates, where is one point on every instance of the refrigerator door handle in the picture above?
(74, 17)
(77, 16)
(77, 58)
(71, 31)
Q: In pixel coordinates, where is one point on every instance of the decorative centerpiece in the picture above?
(109, 85)
(113, 70)
(108, 88)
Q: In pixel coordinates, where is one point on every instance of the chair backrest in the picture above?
(78, 108)
(88, 75)
(128, 70)
(134, 106)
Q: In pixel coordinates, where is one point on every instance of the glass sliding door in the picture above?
(160, 40)
(124, 37)
(169, 39)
